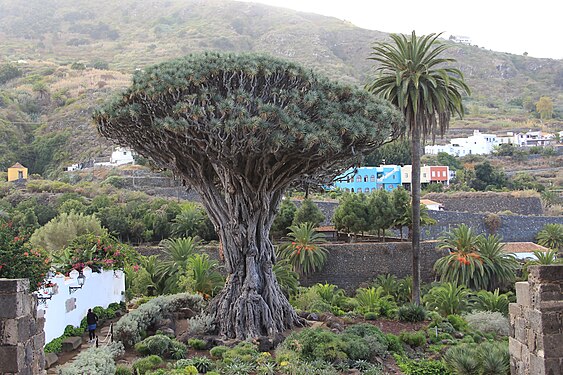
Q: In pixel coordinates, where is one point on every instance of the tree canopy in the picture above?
(240, 129)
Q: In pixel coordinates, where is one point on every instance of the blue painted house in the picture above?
(368, 179)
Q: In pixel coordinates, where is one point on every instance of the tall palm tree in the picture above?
(427, 95)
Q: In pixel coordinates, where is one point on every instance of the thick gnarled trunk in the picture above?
(251, 304)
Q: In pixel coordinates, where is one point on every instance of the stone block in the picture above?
(523, 293)
(546, 274)
(13, 286)
(532, 341)
(14, 305)
(50, 359)
(71, 343)
(515, 348)
(515, 310)
(537, 365)
(12, 359)
(547, 292)
(553, 366)
(553, 345)
(39, 341)
(520, 330)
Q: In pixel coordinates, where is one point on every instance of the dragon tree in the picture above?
(239, 129)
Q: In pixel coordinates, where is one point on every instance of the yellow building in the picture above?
(17, 172)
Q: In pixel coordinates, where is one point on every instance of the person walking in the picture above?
(91, 320)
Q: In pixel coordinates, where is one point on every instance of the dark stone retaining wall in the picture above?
(512, 229)
(488, 202)
(352, 265)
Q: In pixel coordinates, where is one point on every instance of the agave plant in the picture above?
(463, 360)
(304, 252)
(447, 298)
(495, 359)
(203, 275)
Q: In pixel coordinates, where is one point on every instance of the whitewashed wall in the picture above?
(100, 289)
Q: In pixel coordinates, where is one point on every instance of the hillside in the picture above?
(56, 43)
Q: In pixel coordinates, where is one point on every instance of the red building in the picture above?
(439, 174)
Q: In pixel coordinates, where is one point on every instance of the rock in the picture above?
(163, 323)
(458, 335)
(50, 359)
(303, 314)
(227, 342)
(71, 343)
(314, 317)
(265, 343)
(185, 313)
(167, 331)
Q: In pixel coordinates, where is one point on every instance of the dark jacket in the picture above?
(91, 318)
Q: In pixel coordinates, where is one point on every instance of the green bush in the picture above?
(316, 343)
(457, 322)
(197, 344)
(202, 364)
(394, 344)
(413, 339)
(421, 366)
(488, 322)
(123, 370)
(162, 346)
(218, 351)
(143, 365)
(411, 313)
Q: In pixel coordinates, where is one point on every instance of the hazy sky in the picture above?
(514, 26)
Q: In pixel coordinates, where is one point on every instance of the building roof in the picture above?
(327, 228)
(428, 202)
(17, 165)
(522, 247)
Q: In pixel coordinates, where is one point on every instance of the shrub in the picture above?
(94, 361)
(218, 351)
(488, 322)
(457, 322)
(492, 222)
(421, 366)
(373, 300)
(201, 324)
(143, 365)
(447, 298)
(413, 339)
(202, 364)
(123, 370)
(492, 301)
(495, 359)
(304, 251)
(308, 212)
(63, 229)
(394, 344)
(463, 360)
(197, 344)
(316, 343)
(162, 346)
(411, 313)
(128, 329)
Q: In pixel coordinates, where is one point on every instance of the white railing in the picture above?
(66, 303)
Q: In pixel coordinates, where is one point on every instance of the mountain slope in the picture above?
(58, 38)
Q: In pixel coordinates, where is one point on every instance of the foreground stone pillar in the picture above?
(536, 323)
(21, 332)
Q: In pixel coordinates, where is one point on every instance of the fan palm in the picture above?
(427, 95)
(447, 298)
(304, 252)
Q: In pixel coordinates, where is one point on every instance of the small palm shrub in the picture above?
(447, 298)
(457, 322)
(488, 322)
(411, 313)
(551, 236)
(372, 300)
(303, 251)
(202, 364)
(322, 298)
(495, 359)
(492, 301)
(286, 277)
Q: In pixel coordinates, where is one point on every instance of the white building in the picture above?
(478, 143)
(122, 156)
(461, 39)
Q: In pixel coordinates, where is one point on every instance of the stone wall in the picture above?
(536, 323)
(488, 202)
(513, 228)
(352, 265)
(21, 331)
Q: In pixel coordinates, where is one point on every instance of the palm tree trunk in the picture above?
(415, 187)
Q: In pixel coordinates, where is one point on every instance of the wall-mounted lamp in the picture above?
(80, 279)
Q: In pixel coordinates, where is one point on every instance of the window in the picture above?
(433, 173)
(443, 173)
(358, 178)
(424, 175)
(352, 190)
(373, 189)
(359, 190)
(394, 177)
(372, 178)
(366, 178)
(20, 175)
(379, 175)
